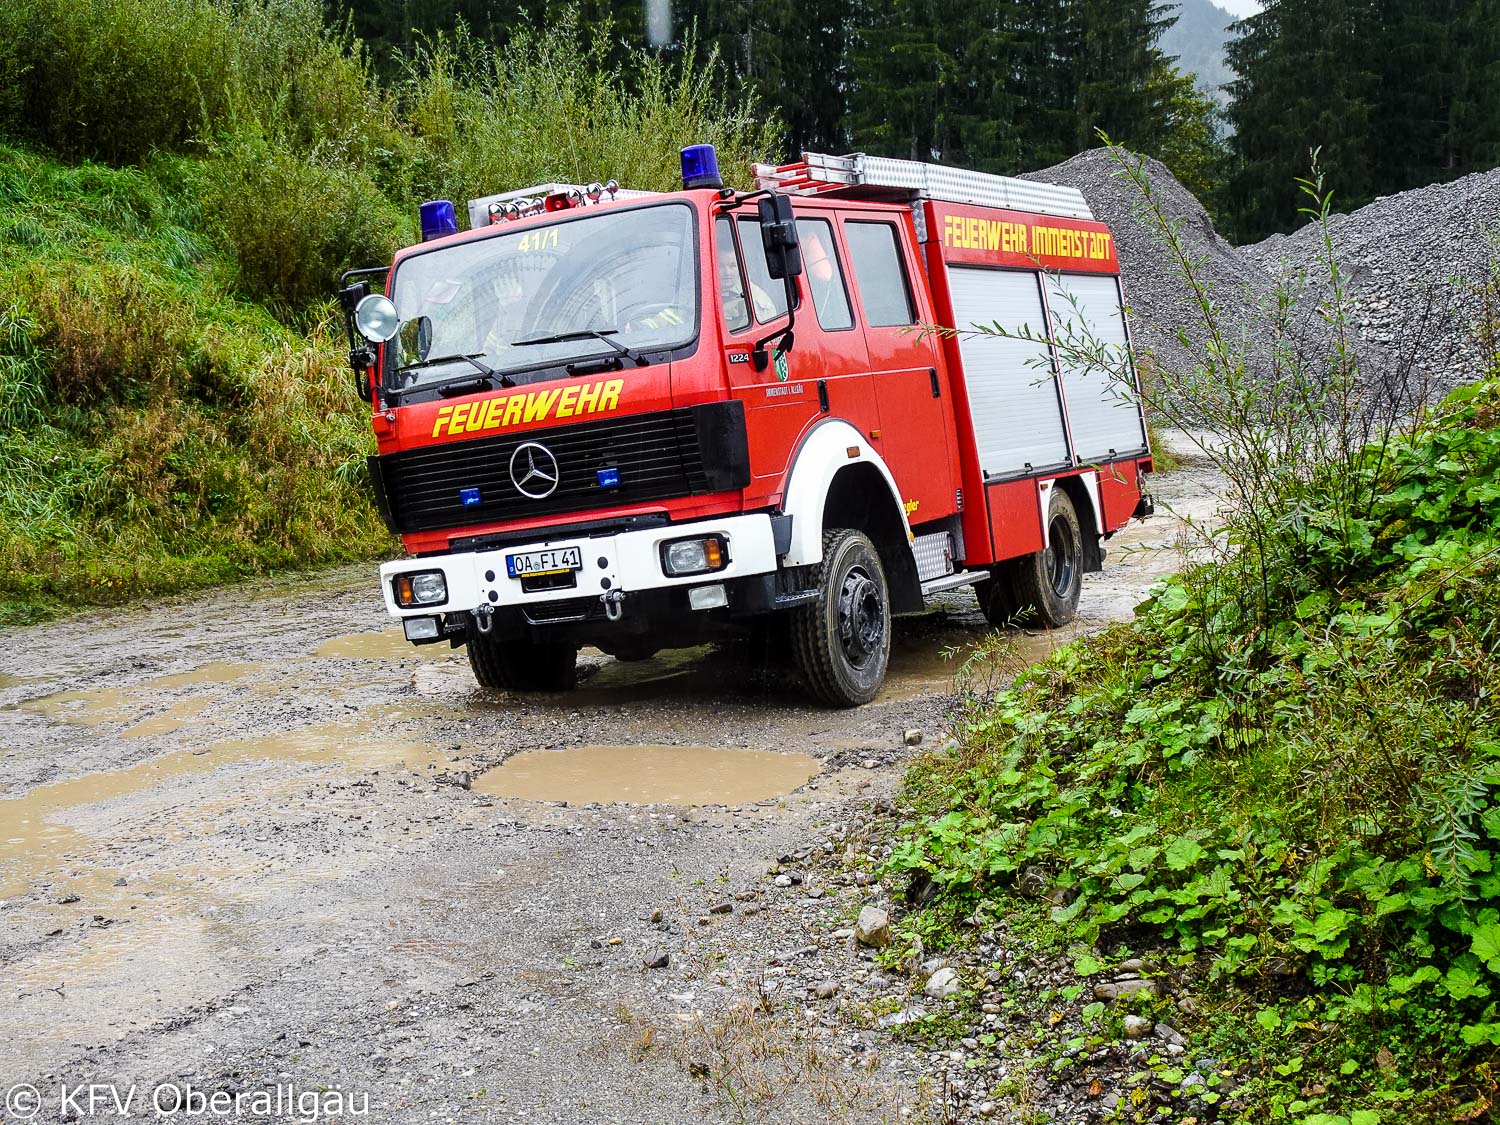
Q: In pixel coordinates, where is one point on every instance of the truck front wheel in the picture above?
(1046, 585)
(843, 639)
(521, 665)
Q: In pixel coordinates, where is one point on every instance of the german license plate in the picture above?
(534, 563)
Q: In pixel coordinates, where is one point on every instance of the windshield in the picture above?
(610, 282)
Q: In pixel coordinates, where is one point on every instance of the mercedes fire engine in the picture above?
(648, 420)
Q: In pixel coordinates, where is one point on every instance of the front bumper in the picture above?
(627, 562)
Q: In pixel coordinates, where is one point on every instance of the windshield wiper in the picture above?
(602, 334)
(457, 386)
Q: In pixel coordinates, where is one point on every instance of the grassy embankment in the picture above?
(181, 185)
(1280, 784)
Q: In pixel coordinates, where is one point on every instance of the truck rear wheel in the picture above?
(1046, 585)
(842, 640)
(520, 665)
(997, 596)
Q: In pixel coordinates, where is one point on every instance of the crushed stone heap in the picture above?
(1411, 263)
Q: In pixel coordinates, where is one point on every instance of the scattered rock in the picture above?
(656, 917)
(913, 737)
(657, 960)
(722, 908)
(1169, 1034)
(942, 984)
(826, 990)
(873, 928)
(1137, 1027)
(1113, 990)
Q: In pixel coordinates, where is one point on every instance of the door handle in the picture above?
(823, 395)
(932, 374)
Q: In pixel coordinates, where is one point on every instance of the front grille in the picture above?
(658, 456)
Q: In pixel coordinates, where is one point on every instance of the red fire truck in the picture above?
(647, 420)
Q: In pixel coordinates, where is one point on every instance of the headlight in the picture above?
(427, 587)
(694, 556)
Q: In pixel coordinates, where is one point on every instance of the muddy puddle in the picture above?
(934, 661)
(48, 828)
(648, 775)
(215, 672)
(388, 644)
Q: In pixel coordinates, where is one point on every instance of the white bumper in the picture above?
(627, 562)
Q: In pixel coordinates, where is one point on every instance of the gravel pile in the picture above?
(1161, 303)
(1411, 262)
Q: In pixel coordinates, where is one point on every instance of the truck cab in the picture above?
(640, 421)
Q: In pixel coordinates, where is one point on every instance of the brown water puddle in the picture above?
(88, 708)
(933, 662)
(215, 672)
(389, 644)
(35, 838)
(173, 718)
(648, 775)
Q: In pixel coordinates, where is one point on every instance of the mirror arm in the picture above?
(758, 355)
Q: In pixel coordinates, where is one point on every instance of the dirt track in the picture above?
(255, 840)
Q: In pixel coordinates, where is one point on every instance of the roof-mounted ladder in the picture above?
(885, 179)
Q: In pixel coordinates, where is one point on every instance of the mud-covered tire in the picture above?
(1046, 585)
(842, 641)
(519, 665)
(997, 596)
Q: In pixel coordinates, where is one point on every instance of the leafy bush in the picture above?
(119, 79)
(292, 220)
(551, 107)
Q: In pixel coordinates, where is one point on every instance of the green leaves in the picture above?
(1484, 943)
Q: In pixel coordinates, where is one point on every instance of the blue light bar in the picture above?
(700, 167)
(437, 219)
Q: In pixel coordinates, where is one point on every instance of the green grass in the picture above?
(1301, 811)
(156, 432)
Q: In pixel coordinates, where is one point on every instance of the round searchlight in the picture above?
(375, 317)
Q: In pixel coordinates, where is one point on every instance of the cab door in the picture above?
(910, 388)
(826, 374)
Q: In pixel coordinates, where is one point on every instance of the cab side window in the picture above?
(879, 273)
(767, 296)
(821, 274)
(731, 279)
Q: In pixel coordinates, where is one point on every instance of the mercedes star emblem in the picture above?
(533, 470)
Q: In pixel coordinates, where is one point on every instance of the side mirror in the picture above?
(416, 337)
(778, 233)
(376, 318)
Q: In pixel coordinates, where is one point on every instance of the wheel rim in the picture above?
(1062, 556)
(861, 617)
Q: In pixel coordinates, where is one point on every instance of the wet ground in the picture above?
(255, 840)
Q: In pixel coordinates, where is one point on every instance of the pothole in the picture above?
(388, 644)
(648, 775)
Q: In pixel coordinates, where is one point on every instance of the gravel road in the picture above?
(252, 843)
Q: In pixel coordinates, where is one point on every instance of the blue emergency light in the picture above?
(609, 478)
(700, 167)
(468, 496)
(438, 219)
